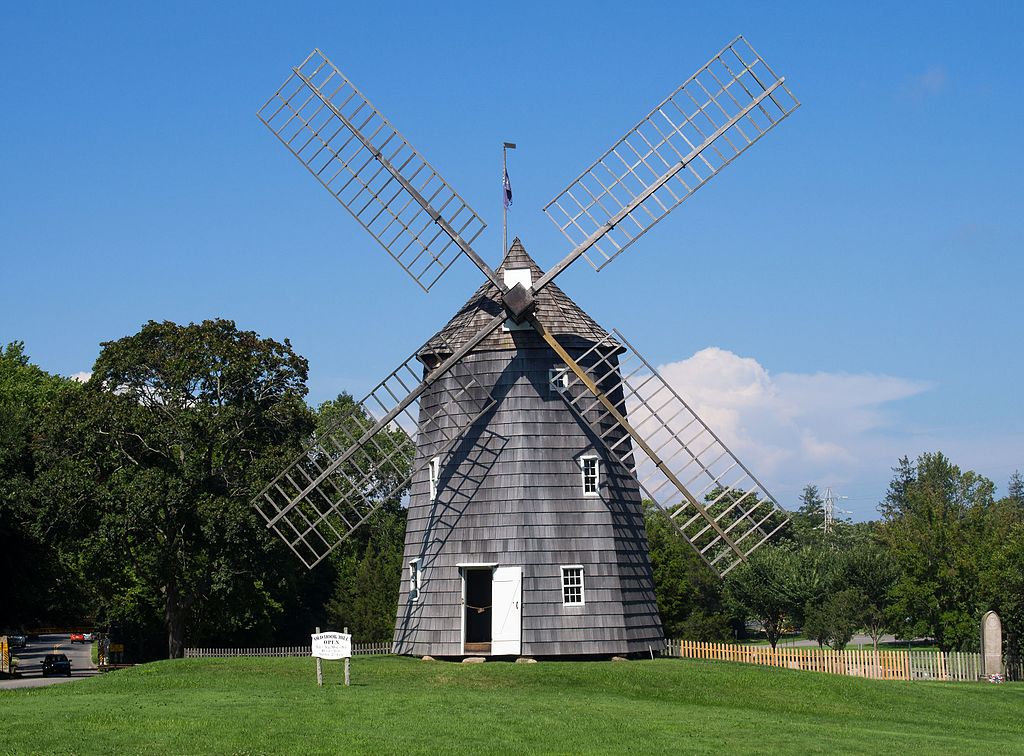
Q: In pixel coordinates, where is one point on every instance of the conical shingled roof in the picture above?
(559, 314)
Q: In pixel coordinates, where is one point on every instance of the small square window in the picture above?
(558, 380)
(435, 473)
(591, 468)
(572, 584)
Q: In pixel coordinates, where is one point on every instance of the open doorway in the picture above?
(478, 610)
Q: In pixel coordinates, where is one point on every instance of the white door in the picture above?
(507, 611)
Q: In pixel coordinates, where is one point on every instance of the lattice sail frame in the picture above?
(726, 513)
(355, 152)
(712, 118)
(370, 168)
(348, 471)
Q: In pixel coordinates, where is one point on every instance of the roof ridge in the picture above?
(560, 314)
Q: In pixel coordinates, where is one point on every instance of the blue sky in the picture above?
(846, 293)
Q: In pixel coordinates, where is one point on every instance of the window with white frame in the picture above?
(590, 467)
(414, 580)
(572, 584)
(435, 472)
(558, 379)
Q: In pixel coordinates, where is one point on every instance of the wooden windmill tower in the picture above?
(538, 433)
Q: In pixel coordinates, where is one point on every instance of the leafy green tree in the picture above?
(762, 588)
(369, 576)
(152, 472)
(690, 599)
(35, 589)
(1000, 558)
(934, 515)
(871, 571)
(836, 618)
(815, 573)
(368, 565)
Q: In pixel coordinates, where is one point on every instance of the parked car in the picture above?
(17, 641)
(56, 664)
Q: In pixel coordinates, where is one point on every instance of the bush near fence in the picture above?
(358, 649)
(887, 664)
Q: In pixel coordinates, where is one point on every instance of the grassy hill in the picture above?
(406, 705)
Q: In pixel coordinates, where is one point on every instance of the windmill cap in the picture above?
(559, 314)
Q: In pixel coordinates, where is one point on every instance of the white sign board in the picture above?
(332, 645)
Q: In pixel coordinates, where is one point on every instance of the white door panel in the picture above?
(507, 611)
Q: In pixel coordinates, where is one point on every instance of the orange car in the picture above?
(81, 637)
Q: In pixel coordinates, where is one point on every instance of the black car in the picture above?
(56, 664)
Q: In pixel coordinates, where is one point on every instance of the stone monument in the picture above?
(991, 644)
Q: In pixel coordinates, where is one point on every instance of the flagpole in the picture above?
(504, 204)
(505, 198)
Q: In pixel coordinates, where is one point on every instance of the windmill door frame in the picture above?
(506, 607)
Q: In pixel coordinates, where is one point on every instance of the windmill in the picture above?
(538, 433)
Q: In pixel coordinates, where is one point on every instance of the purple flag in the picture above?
(508, 191)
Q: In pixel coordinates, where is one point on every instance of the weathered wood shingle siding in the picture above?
(511, 493)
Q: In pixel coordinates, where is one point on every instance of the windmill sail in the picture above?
(716, 503)
(367, 458)
(348, 472)
(717, 114)
(370, 168)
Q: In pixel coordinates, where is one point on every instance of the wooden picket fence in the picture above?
(888, 664)
(358, 649)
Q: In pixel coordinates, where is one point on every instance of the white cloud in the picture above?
(794, 428)
(82, 376)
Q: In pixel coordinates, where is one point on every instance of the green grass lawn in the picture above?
(406, 705)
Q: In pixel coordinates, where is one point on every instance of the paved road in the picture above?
(30, 662)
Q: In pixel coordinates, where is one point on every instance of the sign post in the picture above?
(347, 658)
(319, 667)
(331, 646)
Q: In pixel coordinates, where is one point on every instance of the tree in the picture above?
(816, 624)
(835, 619)
(871, 571)
(35, 589)
(815, 573)
(369, 578)
(811, 501)
(1015, 490)
(805, 522)
(934, 515)
(175, 432)
(368, 564)
(1000, 559)
(690, 599)
(762, 589)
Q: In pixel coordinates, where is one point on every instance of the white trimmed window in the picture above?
(572, 584)
(590, 468)
(414, 580)
(435, 474)
(558, 379)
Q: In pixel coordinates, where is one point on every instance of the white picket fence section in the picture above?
(358, 649)
(888, 664)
